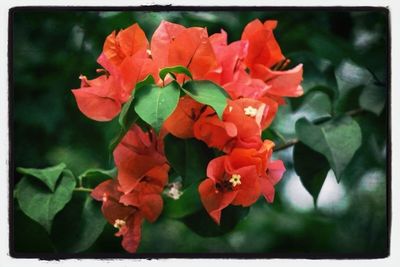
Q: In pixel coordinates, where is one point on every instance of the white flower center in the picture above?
(235, 180)
(119, 223)
(250, 111)
(174, 191)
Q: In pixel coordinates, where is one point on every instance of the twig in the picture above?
(83, 189)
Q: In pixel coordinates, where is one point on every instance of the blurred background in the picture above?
(51, 48)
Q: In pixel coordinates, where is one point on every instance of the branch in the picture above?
(83, 189)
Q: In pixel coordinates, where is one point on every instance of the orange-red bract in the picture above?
(263, 47)
(135, 156)
(128, 219)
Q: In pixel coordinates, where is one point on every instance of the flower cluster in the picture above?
(252, 73)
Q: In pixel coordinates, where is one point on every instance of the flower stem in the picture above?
(83, 189)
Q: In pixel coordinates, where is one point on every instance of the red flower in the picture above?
(129, 42)
(172, 44)
(243, 120)
(127, 211)
(128, 219)
(263, 47)
(180, 122)
(230, 57)
(136, 155)
(269, 172)
(99, 98)
(226, 185)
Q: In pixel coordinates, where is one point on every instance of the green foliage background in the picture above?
(52, 48)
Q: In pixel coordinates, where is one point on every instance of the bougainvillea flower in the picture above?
(263, 47)
(281, 83)
(146, 194)
(127, 219)
(131, 71)
(180, 122)
(242, 85)
(99, 98)
(225, 186)
(240, 127)
(129, 42)
(269, 172)
(230, 57)
(173, 44)
(135, 155)
(213, 131)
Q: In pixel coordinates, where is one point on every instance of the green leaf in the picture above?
(174, 69)
(208, 93)
(78, 225)
(188, 203)
(202, 224)
(315, 106)
(311, 167)
(154, 104)
(337, 139)
(188, 157)
(373, 98)
(41, 205)
(49, 176)
(128, 115)
(350, 79)
(92, 177)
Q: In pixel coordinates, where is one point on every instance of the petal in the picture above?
(214, 132)
(213, 201)
(276, 169)
(267, 189)
(132, 236)
(128, 42)
(161, 40)
(151, 206)
(243, 85)
(272, 107)
(263, 47)
(94, 104)
(282, 83)
(249, 190)
(180, 122)
(106, 190)
(216, 168)
(113, 211)
(133, 70)
(133, 41)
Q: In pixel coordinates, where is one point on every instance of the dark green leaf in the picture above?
(92, 177)
(188, 157)
(175, 69)
(311, 167)
(202, 224)
(49, 176)
(315, 106)
(350, 79)
(79, 224)
(154, 104)
(41, 205)
(337, 139)
(188, 203)
(373, 98)
(208, 93)
(128, 114)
